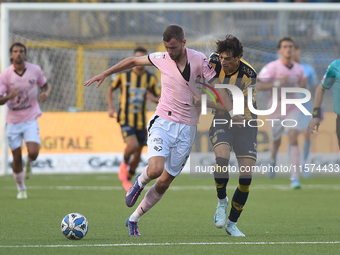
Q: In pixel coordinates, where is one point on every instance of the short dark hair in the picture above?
(141, 49)
(173, 31)
(230, 44)
(284, 39)
(17, 44)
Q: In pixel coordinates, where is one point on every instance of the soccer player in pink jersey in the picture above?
(284, 72)
(173, 127)
(19, 88)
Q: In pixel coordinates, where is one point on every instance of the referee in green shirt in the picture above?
(331, 78)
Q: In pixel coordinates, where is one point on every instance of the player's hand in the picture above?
(197, 100)
(149, 96)
(112, 112)
(43, 96)
(12, 94)
(283, 80)
(99, 78)
(314, 125)
(238, 118)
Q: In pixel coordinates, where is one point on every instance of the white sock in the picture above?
(135, 216)
(224, 200)
(230, 222)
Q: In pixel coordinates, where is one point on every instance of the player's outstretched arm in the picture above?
(315, 122)
(121, 66)
(111, 110)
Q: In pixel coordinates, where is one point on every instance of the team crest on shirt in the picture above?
(158, 148)
(32, 81)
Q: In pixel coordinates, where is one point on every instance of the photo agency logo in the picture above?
(238, 104)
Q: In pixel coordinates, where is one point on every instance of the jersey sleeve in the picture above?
(41, 80)
(116, 83)
(154, 86)
(214, 60)
(267, 73)
(208, 70)
(158, 60)
(329, 77)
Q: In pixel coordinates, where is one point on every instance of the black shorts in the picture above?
(338, 129)
(242, 140)
(129, 132)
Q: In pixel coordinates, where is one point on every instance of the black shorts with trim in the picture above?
(128, 132)
(243, 141)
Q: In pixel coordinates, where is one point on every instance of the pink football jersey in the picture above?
(24, 107)
(274, 71)
(176, 102)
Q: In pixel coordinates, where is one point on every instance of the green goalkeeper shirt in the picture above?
(332, 78)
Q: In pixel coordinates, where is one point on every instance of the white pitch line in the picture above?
(180, 188)
(161, 244)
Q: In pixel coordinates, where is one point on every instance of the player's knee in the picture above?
(221, 173)
(155, 170)
(244, 183)
(33, 155)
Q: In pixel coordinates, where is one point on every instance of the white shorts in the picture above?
(29, 131)
(277, 129)
(170, 140)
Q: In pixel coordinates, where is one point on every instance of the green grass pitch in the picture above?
(276, 220)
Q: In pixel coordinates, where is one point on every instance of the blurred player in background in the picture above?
(331, 78)
(19, 89)
(232, 69)
(136, 86)
(172, 129)
(312, 83)
(284, 72)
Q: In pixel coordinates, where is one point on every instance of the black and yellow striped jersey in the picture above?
(132, 100)
(243, 77)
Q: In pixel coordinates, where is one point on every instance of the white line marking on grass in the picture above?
(160, 244)
(179, 188)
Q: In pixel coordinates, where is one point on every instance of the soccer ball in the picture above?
(74, 226)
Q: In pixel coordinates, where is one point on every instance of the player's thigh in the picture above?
(222, 141)
(33, 148)
(14, 133)
(180, 151)
(159, 139)
(246, 166)
(245, 142)
(31, 132)
(276, 130)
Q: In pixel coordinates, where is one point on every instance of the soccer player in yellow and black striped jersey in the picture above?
(136, 86)
(233, 70)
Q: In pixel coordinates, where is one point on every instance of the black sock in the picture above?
(240, 198)
(222, 177)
